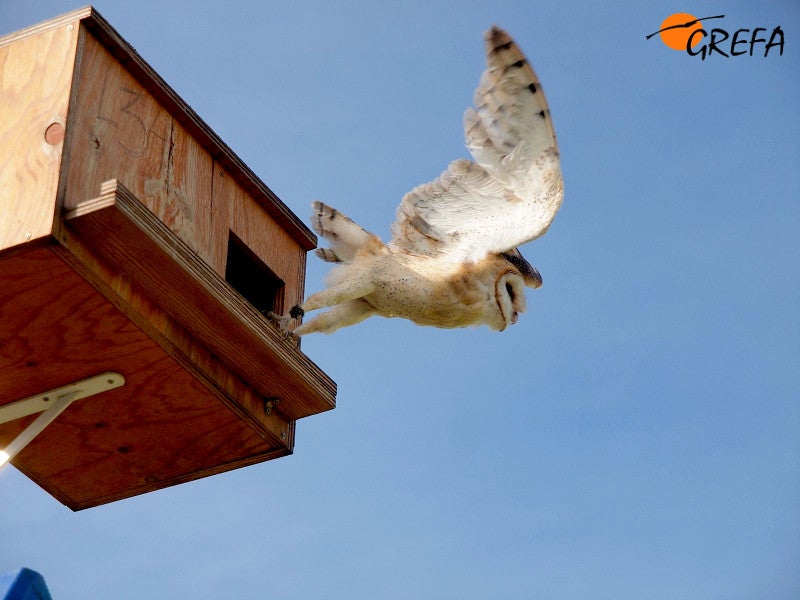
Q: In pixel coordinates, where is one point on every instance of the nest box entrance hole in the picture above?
(252, 278)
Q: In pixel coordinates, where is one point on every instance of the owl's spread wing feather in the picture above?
(512, 191)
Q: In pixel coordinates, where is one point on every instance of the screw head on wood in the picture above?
(269, 404)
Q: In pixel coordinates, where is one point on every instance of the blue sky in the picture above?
(635, 435)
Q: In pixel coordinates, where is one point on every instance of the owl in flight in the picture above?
(453, 259)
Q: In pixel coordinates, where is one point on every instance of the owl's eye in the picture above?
(510, 291)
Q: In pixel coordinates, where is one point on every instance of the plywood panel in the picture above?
(35, 76)
(137, 306)
(162, 427)
(121, 132)
(194, 125)
(264, 237)
(142, 249)
(236, 211)
(225, 194)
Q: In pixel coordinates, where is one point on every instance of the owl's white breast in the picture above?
(434, 291)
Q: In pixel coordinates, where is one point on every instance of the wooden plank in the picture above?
(118, 130)
(91, 21)
(35, 75)
(261, 233)
(177, 342)
(183, 114)
(140, 247)
(227, 194)
(121, 132)
(163, 427)
(66, 19)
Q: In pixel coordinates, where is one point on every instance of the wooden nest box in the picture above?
(137, 247)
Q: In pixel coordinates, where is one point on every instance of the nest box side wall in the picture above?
(35, 81)
(119, 130)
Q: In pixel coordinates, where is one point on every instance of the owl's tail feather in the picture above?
(344, 236)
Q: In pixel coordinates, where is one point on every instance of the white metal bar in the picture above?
(35, 428)
(51, 404)
(40, 402)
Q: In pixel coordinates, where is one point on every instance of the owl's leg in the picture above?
(349, 289)
(349, 313)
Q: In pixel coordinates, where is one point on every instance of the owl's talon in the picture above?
(284, 325)
(281, 321)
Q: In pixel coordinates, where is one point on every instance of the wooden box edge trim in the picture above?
(121, 229)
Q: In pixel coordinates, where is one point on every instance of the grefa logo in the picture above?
(687, 33)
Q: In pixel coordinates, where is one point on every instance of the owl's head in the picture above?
(509, 288)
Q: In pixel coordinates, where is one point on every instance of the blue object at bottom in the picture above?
(23, 584)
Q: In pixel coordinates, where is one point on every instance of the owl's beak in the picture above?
(530, 275)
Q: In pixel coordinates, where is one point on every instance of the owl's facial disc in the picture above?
(510, 296)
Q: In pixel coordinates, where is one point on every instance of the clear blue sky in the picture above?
(635, 435)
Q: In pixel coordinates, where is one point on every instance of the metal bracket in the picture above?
(51, 404)
(270, 403)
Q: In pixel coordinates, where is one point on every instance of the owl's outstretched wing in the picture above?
(512, 191)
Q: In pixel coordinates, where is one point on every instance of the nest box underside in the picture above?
(130, 241)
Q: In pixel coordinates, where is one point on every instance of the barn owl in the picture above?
(453, 259)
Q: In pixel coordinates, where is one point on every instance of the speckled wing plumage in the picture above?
(512, 191)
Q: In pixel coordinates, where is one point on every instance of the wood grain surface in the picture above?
(134, 243)
(35, 81)
(163, 427)
(117, 206)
